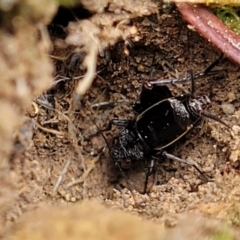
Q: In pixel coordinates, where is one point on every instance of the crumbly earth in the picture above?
(60, 157)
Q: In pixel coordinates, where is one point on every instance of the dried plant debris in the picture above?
(107, 28)
(134, 8)
(24, 64)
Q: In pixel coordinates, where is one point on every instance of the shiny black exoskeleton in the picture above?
(160, 121)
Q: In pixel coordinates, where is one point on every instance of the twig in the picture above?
(84, 175)
(90, 62)
(209, 26)
(50, 130)
(59, 180)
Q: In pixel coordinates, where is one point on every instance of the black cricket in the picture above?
(160, 121)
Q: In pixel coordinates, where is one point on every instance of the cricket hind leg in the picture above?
(151, 171)
(170, 156)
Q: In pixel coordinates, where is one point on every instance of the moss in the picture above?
(223, 235)
(230, 16)
(67, 3)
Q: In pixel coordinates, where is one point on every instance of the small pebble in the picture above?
(67, 197)
(228, 108)
(234, 156)
(231, 96)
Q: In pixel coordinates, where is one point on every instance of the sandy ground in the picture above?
(59, 158)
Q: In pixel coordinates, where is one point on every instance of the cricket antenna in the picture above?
(215, 118)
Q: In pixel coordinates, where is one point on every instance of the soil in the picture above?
(59, 156)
